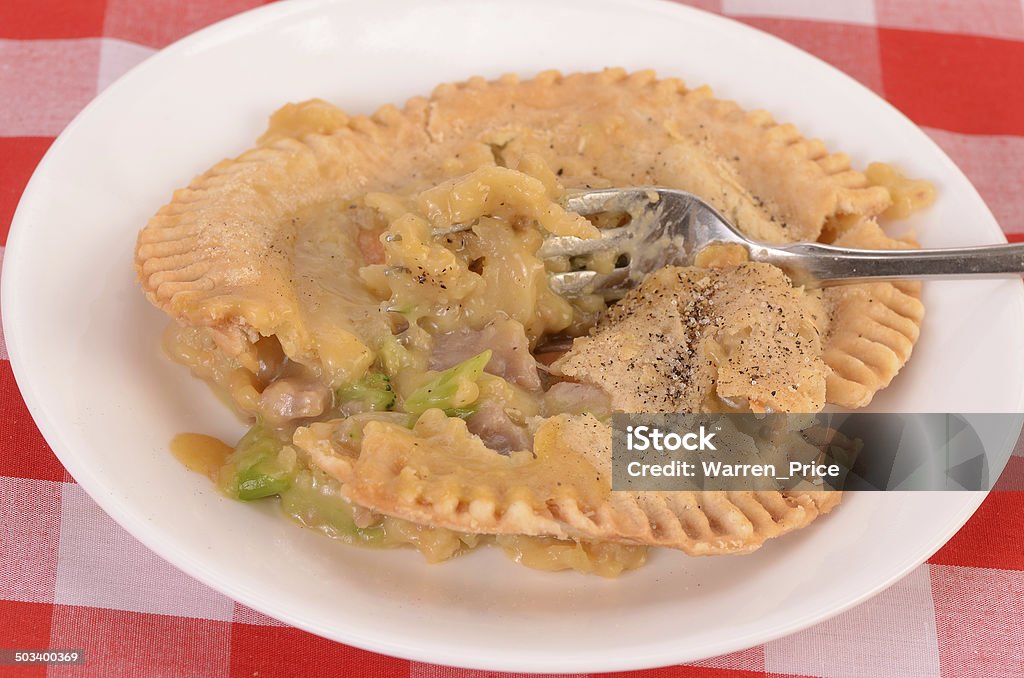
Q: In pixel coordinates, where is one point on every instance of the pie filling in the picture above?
(410, 376)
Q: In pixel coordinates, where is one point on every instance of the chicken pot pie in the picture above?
(398, 370)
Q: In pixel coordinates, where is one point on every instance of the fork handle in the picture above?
(817, 265)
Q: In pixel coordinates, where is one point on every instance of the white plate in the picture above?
(84, 343)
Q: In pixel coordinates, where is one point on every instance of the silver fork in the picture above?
(668, 227)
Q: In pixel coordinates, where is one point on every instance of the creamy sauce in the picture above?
(552, 555)
(908, 195)
(200, 453)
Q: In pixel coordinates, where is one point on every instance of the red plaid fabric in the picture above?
(63, 561)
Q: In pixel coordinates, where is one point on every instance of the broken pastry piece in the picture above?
(706, 340)
(438, 474)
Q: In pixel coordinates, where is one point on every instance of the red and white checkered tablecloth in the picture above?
(71, 578)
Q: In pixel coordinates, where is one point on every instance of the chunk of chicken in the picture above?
(497, 430)
(511, 359)
(567, 397)
(293, 398)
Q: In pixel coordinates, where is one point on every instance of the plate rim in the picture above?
(134, 523)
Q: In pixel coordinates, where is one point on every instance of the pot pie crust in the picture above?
(294, 242)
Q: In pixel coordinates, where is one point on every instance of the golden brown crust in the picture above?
(873, 327)
(562, 490)
(688, 338)
(221, 252)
